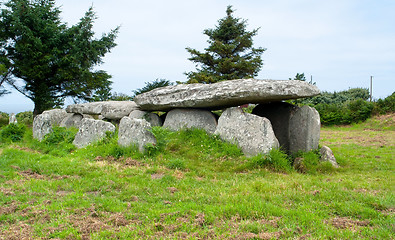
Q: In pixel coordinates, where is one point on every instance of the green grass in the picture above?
(192, 186)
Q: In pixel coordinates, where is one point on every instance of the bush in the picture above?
(59, 142)
(25, 118)
(12, 133)
(386, 105)
(4, 118)
(276, 160)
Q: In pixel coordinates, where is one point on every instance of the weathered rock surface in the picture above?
(253, 134)
(116, 110)
(304, 129)
(327, 156)
(133, 131)
(94, 108)
(74, 120)
(12, 119)
(150, 117)
(223, 94)
(178, 119)
(279, 114)
(91, 131)
(113, 110)
(43, 123)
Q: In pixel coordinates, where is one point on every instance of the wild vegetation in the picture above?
(192, 185)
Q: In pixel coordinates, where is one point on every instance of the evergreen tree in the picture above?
(47, 61)
(230, 54)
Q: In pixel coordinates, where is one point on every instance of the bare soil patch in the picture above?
(347, 223)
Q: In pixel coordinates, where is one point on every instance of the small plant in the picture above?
(176, 163)
(60, 141)
(12, 133)
(310, 163)
(276, 160)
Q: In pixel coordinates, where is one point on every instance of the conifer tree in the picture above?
(230, 54)
(48, 61)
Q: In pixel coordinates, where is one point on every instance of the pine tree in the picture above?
(48, 61)
(230, 54)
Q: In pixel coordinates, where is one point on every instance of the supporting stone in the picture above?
(178, 119)
(253, 134)
(92, 131)
(279, 114)
(304, 130)
(43, 123)
(150, 117)
(133, 131)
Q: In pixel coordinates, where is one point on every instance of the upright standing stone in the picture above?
(12, 119)
(74, 120)
(92, 131)
(43, 123)
(328, 156)
(304, 129)
(253, 134)
(133, 131)
(150, 117)
(190, 118)
(279, 114)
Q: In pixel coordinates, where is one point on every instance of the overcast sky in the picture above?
(340, 43)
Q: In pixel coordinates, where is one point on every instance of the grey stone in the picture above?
(12, 119)
(304, 129)
(223, 94)
(327, 156)
(113, 110)
(279, 114)
(43, 123)
(190, 118)
(94, 108)
(91, 131)
(133, 131)
(74, 120)
(253, 134)
(116, 110)
(150, 117)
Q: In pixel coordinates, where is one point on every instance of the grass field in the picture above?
(193, 186)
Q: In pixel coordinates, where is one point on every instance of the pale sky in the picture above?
(341, 43)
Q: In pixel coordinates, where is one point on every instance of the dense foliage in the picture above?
(346, 107)
(230, 54)
(48, 61)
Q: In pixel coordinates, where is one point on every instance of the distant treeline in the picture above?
(346, 107)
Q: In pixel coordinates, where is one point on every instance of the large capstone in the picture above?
(113, 110)
(133, 131)
(253, 134)
(92, 131)
(304, 130)
(279, 114)
(178, 119)
(116, 110)
(43, 123)
(223, 94)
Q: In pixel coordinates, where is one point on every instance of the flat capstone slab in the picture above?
(223, 94)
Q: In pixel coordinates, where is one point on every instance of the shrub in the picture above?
(59, 142)
(176, 163)
(276, 160)
(386, 105)
(12, 133)
(4, 118)
(25, 118)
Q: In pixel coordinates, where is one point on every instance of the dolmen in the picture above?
(273, 123)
